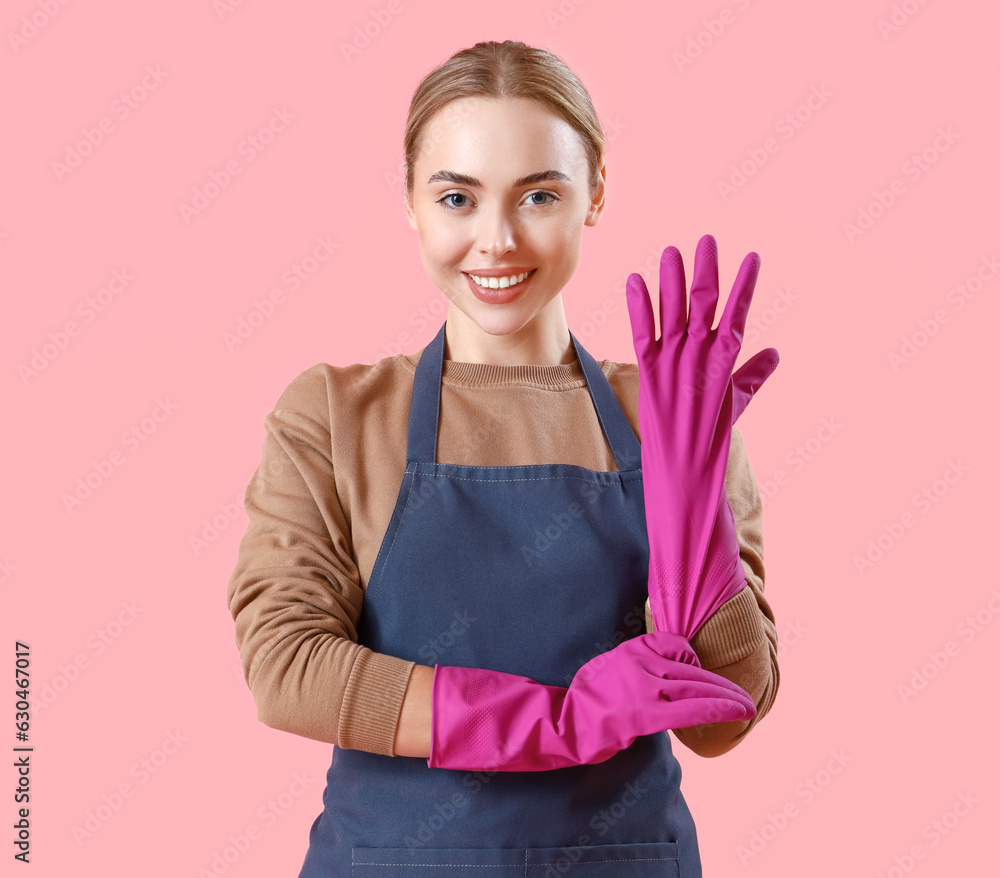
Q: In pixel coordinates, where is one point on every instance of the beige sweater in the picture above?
(319, 504)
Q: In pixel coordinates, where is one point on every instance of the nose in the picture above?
(496, 233)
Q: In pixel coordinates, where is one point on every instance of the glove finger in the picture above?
(665, 644)
(704, 288)
(681, 680)
(640, 312)
(749, 378)
(734, 317)
(673, 295)
(699, 711)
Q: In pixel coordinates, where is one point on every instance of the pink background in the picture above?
(836, 306)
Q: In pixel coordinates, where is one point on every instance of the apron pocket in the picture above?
(651, 860)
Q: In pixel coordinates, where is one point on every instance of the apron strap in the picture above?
(425, 407)
(617, 429)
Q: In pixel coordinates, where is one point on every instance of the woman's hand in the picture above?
(689, 400)
(492, 721)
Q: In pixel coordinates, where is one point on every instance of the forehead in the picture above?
(490, 138)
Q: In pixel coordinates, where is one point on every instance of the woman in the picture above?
(447, 557)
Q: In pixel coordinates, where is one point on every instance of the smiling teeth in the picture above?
(500, 283)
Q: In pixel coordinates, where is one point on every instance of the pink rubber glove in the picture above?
(689, 400)
(485, 720)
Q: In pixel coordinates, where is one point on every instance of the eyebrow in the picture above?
(466, 180)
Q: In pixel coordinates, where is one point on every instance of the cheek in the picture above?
(445, 235)
(441, 245)
(565, 240)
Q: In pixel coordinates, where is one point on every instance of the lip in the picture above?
(501, 272)
(499, 297)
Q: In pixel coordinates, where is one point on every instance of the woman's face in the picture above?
(500, 187)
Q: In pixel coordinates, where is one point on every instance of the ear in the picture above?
(597, 202)
(409, 211)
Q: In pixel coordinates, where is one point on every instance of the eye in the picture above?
(444, 200)
(541, 203)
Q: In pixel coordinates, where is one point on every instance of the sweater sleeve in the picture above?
(740, 640)
(295, 593)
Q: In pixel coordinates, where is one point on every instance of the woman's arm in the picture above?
(413, 734)
(295, 592)
(739, 641)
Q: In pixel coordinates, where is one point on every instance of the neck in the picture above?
(543, 341)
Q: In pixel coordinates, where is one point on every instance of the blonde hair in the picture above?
(500, 70)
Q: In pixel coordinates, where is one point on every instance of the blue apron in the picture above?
(530, 570)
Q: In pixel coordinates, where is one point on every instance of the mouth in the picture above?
(500, 290)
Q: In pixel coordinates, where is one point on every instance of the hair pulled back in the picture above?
(500, 70)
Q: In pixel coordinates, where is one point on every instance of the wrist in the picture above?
(413, 731)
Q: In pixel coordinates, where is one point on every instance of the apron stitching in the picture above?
(535, 479)
(355, 864)
(438, 865)
(604, 428)
(369, 591)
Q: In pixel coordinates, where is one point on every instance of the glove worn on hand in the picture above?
(491, 721)
(689, 400)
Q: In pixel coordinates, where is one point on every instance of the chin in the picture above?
(493, 322)
(499, 325)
